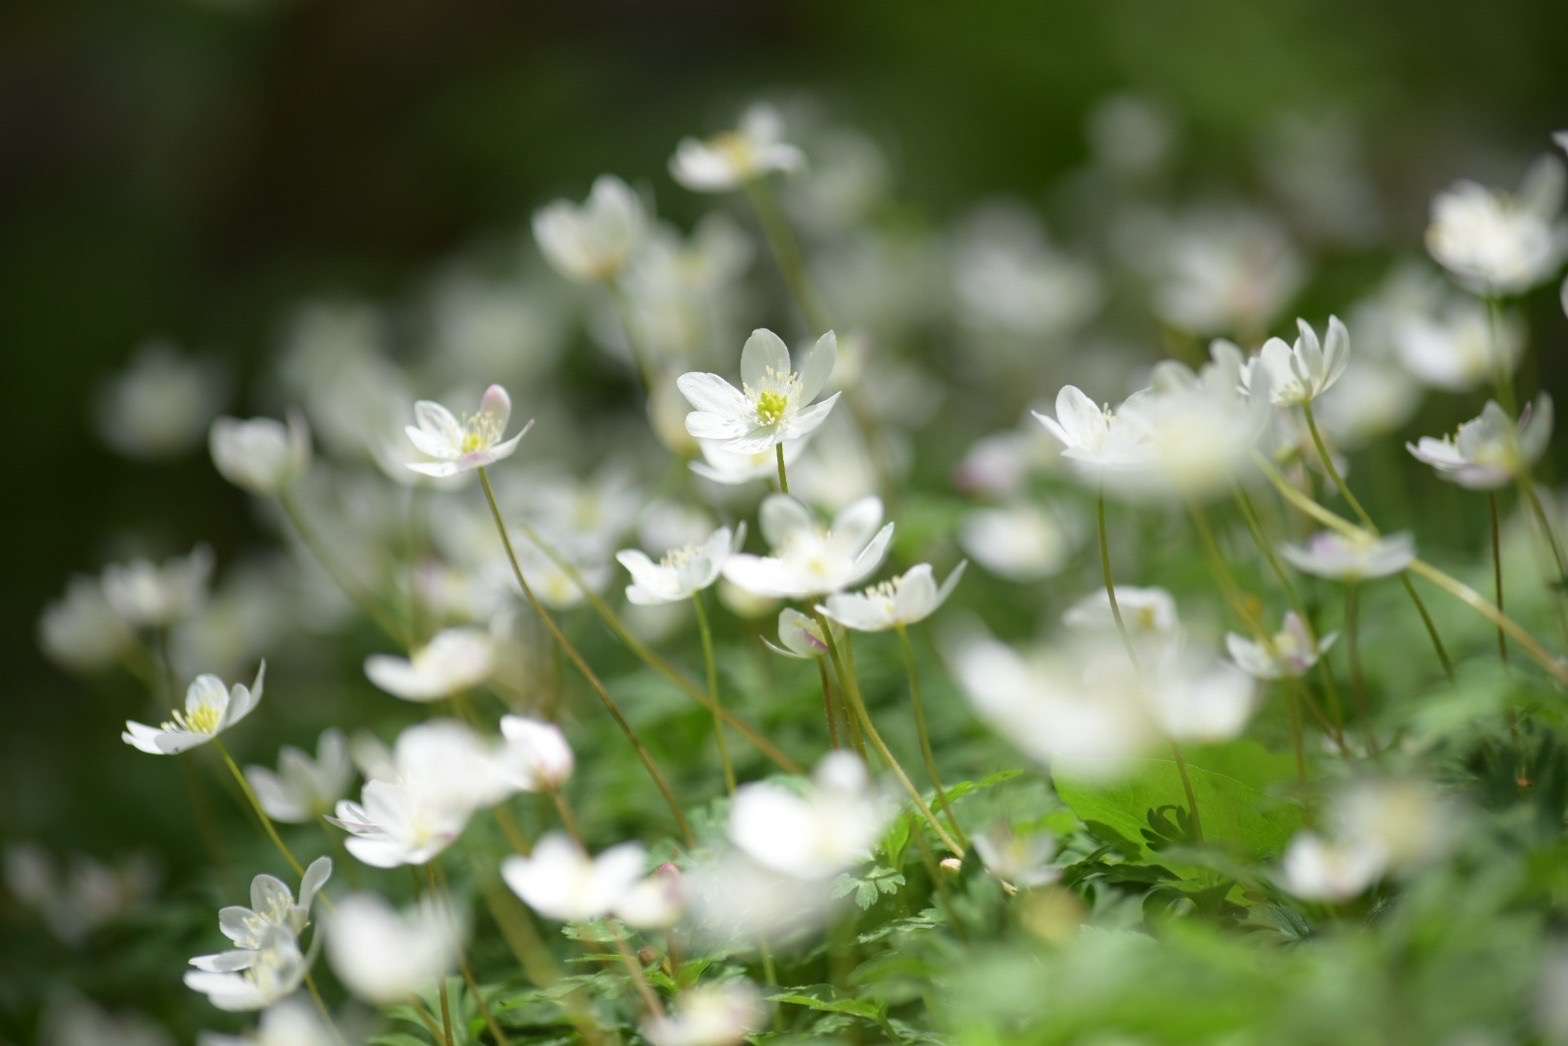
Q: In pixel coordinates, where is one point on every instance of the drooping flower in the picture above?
(1330, 554)
(730, 160)
(1021, 859)
(303, 788)
(800, 636)
(1295, 375)
(454, 660)
(912, 596)
(808, 560)
(593, 241)
(1491, 450)
(775, 403)
(1318, 869)
(260, 455)
(146, 594)
(272, 905)
(814, 835)
(535, 757)
(210, 709)
(1499, 243)
(722, 1013)
(1290, 652)
(81, 630)
(475, 443)
(682, 572)
(252, 979)
(385, 956)
(560, 881)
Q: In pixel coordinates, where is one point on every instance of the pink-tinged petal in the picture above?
(495, 407)
(764, 351)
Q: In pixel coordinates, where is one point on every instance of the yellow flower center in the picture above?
(472, 441)
(771, 407)
(204, 720)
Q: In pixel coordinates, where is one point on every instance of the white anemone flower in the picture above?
(723, 1013)
(146, 594)
(730, 160)
(808, 560)
(303, 788)
(560, 881)
(81, 630)
(261, 455)
(1191, 697)
(1318, 869)
(535, 756)
(1290, 652)
(272, 971)
(1295, 375)
(1097, 440)
(1499, 243)
(682, 572)
(1146, 612)
(385, 956)
(816, 834)
(455, 660)
(1491, 450)
(594, 241)
(775, 403)
(800, 636)
(1409, 820)
(1458, 345)
(454, 448)
(210, 709)
(292, 1022)
(1328, 554)
(272, 906)
(731, 468)
(655, 902)
(904, 600)
(1021, 859)
(1020, 542)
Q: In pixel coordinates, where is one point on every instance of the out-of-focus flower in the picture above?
(735, 902)
(260, 455)
(272, 971)
(1130, 136)
(454, 660)
(454, 447)
(1288, 652)
(912, 596)
(682, 572)
(775, 402)
(1023, 860)
(210, 709)
(1491, 450)
(999, 465)
(1190, 697)
(1317, 869)
(73, 1020)
(1332, 555)
(593, 241)
(160, 405)
(536, 757)
(384, 956)
(303, 788)
(815, 835)
(146, 594)
(1293, 375)
(1458, 344)
(1147, 613)
(1021, 542)
(808, 560)
(655, 902)
(1007, 276)
(716, 1014)
(291, 1022)
(1499, 243)
(732, 467)
(248, 614)
(559, 881)
(1406, 820)
(74, 901)
(81, 630)
(1316, 164)
(732, 159)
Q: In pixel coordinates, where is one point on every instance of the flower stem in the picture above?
(261, 814)
(634, 968)
(827, 703)
(433, 893)
(713, 691)
(1527, 487)
(1358, 683)
(925, 734)
(358, 595)
(786, 252)
(1497, 572)
(1109, 577)
(568, 818)
(1186, 787)
(479, 1000)
(581, 665)
(778, 455)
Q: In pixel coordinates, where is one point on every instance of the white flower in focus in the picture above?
(147, 594)
(1147, 613)
(1290, 652)
(273, 970)
(1331, 555)
(559, 881)
(535, 756)
(808, 560)
(455, 660)
(384, 956)
(272, 906)
(161, 403)
(1023, 860)
(904, 600)
(682, 572)
(1294, 375)
(454, 447)
(291, 1022)
(716, 1014)
(81, 631)
(1491, 450)
(1095, 439)
(594, 241)
(1021, 542)
(815, 835)
(210, 709)
(730, 160)
(303, 788)
(260, 455)
(1316, 869)
(800, 636)
(775, 403)
(1498, 243)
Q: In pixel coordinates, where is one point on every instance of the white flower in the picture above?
(73, 1020)
(655, 902)
(272, 906)
(304, 788)
(732, 467)
(594, 241)
(1023, 860)
(455, 660)
(814, 835)
(1332, 555)
(81, 630)
(260, 455)
(1146, 612)
(535, 756)
(252, 979)
(1007, 276)
(1294, 375)
(456, 448)
(734, 158)
(1491, 450)
(735, 903)
(808, 560)
(291, 1022)
(1097, 440)
(800, 636)
(385, 956)
(716, 1014)
(159, 406)
(1316, 869)
(682, 572)
(775, 401)
(912, 596)
(1457, 345)
(146, 594)
(1498, 243)
(1021, 542)
(1408, 820)
(1191, 697)
(77, 899)
(1288, 652)
(210, 709)
(559, 881)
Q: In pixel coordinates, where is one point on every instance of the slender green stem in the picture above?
(924, 734)
(1559, 596)
(634, 969)
(778, 455)
(1502, 377)
(494, 1025)
(623, 312)
(1497, 572)
(1109, 577)
(712, 666)
(581, 665)
(1293, 699)
(568, 818)
(532, 954)
(261, 814)
(786, 252)
(357, 594)
(1186, 787)
(433, 893)
(1430, 625)
(321, 1007)
(827, 702)
(1358, 683)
